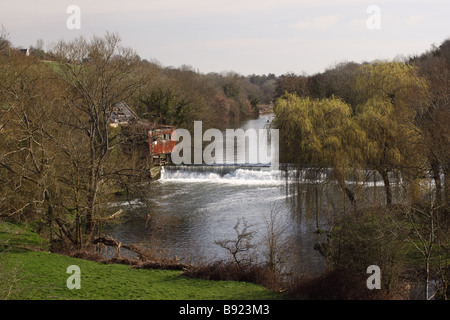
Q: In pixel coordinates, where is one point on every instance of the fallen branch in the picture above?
(108, 241)
(170, 265)
(160, 264)
(114, 215)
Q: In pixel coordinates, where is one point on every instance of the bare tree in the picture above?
(96, 74)
(275, 242)
(240, 248)
(424, 229)
(26, 159)
(59, 156)
(434, 66)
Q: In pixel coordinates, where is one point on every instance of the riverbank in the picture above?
(28, 271)
(155, 172)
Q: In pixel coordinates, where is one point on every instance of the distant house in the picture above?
(161, 142)
(121, 114)
(141, 136)
(25, 51)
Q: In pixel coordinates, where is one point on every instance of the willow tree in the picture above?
(393, 94)
(320, 134)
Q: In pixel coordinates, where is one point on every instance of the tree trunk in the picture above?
(447, 186)
(427, 278)
(414, 189)
(93, 183)
(78, 231)
(50, 214)
(437, 183)
(340, 179)
(387, 186)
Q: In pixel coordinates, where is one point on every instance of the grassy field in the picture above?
(42, 275)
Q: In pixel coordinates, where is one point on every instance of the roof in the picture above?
(122, 113)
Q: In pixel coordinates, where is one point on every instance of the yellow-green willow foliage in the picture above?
(379, 135)
(320, 134)
(392, 96)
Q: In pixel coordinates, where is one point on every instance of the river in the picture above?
(191, 207)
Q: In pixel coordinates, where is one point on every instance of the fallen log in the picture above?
(142, 262)
(108, 241)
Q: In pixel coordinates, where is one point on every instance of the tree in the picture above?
(5, 44)
(240, 247)
(424, 229)
(433, 122)
(393, 96)
(275, 242)
(340, 81)
(27, 162)
(320, 134)
(60, 160)
(95, 75)
(292, 83)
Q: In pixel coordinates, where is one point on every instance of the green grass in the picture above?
(19, 237)
(43, 276)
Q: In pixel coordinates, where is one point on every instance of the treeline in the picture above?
(383, 123)
(180, 96)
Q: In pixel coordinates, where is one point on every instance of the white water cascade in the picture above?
(239, 175)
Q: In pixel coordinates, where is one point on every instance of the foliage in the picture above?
(319, 134)
(385, 120)
(394, 95)
(166, 107)
(60, 160)
(58, 149)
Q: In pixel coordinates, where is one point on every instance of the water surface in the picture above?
(191, 207)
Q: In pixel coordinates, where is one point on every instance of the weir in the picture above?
(242, 174)
(236, 174)
(254, 173)
(219, 169)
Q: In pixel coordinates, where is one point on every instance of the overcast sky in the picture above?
(245, 36)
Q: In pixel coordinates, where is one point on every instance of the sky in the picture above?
(243, 36)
